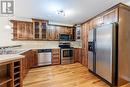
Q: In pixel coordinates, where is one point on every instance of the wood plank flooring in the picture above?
(72, 75)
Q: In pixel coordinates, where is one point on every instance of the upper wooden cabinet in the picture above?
(51, 33)
(110, 17)
(22, 30)
(106, 18)
(54, 31)
(39, 30)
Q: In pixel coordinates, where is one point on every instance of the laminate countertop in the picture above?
(10, 57)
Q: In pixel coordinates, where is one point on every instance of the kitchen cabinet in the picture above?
(106, 18)
(57, 32)
(77, 55)
(84, 56)
(30, 60)
(39, 28)
(54, 31)
(11, 73)
(22, 30)
(97, 21)
(55, 56)
(84, 32)
(51, 33)
(110, 17)
(6, 76)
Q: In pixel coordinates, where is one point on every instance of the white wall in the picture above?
(128, 3)
(5, 34)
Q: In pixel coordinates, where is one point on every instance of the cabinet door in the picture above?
(97, 21)
(57, 32)
(43, 30)
(84, 36)
(77, 55)
(51, 33)
(29, 31)
(55, 56)
(111, 17)
(39, 27)
(84, 57)
(62, 30)
(85, 28)
(80, 55)
(36, 29)
(15, 29)
(19, 30)
(91, 24)
(65, 30)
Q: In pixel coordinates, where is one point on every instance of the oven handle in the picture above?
(66, 49)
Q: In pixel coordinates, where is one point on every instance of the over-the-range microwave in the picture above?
(64, 37)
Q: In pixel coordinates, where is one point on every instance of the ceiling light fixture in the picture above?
(61, 12)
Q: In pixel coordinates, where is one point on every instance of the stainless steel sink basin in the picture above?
(11, 52)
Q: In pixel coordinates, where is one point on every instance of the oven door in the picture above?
(66, 56)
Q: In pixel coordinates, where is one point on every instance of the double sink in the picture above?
(16, 51)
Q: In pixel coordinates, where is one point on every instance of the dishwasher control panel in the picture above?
(44, 50)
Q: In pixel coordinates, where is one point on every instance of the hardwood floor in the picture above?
(72, 75)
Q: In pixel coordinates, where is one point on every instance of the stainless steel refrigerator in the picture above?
(102, 60)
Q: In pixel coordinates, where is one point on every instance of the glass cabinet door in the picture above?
(43, 27)
(36, 24)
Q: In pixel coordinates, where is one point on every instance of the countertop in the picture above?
(17, 54)
(10, 57)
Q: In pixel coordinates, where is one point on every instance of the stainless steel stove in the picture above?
(66, 53)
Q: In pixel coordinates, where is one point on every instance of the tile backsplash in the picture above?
(45, 44)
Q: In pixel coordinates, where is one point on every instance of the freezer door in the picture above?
(103, 48)
(90, 49)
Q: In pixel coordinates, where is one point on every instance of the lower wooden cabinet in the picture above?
(84, 57)
(80, 55)
(55, 56)
(11, 73)
(77, 55)
(29, 61)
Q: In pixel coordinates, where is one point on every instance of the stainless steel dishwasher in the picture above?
(44, 57)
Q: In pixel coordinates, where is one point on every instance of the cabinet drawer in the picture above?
(55, 60)
(56, 56)
(56, 51)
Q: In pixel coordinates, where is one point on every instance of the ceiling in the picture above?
(77, 11)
